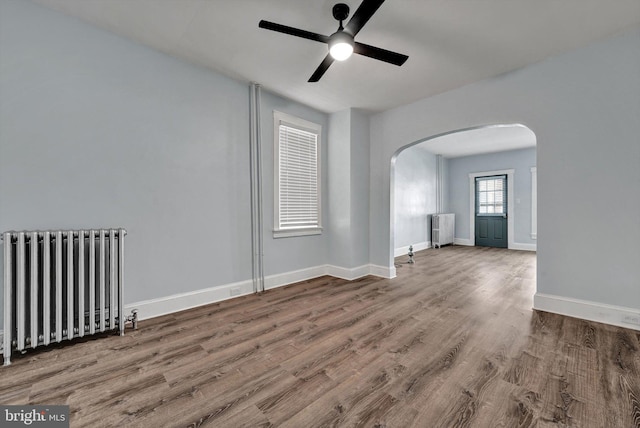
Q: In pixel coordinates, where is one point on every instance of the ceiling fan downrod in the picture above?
(340, 12)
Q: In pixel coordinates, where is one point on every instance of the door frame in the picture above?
(510, 208)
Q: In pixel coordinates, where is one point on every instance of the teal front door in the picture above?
(491, 211)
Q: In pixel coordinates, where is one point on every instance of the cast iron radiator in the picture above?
(61, 285)
(443, 228)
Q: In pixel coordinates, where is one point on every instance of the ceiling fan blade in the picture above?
(364, 12)
(324, 65)
(379, 54)
(293, 31)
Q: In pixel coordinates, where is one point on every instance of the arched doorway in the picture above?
(451, 161)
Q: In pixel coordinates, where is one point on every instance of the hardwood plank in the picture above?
(452, 341)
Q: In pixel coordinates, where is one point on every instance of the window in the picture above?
(491, 198)
(297, 176)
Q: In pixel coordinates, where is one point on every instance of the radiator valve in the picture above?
(133, 318)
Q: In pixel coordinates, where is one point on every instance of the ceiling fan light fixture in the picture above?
(341, 43)
(341, 46)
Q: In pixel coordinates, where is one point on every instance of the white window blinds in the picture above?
(491, 194)
(298, 178)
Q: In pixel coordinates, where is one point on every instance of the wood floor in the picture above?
(451, 342)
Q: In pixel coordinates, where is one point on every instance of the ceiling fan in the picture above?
(342, 43)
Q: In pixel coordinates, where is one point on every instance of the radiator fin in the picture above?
(442, 230)
(61, 285)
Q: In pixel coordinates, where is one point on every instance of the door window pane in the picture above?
(490, 194)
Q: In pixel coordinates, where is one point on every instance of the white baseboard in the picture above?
(179, 302)
(348, 274)
(461, 241)
(523, 247)
(593, 311)
(403, 251)
(382, 271)
(286, 278)
(514, 246)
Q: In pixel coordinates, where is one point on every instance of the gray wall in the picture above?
(415, 182)
(348, 223)
(96, 131)
(339, 221)
(583, 107)
(291, 253)
(519, 160)
(360, 188)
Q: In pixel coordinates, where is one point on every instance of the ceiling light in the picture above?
(341, 45)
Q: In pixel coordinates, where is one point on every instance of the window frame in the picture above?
(504, 191)
(280, 118)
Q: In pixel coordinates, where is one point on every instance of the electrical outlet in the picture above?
(234, 292)
(631, 319)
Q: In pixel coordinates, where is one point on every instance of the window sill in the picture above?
(289, 233)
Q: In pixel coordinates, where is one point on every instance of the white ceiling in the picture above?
(481, 140)
(450, 43)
